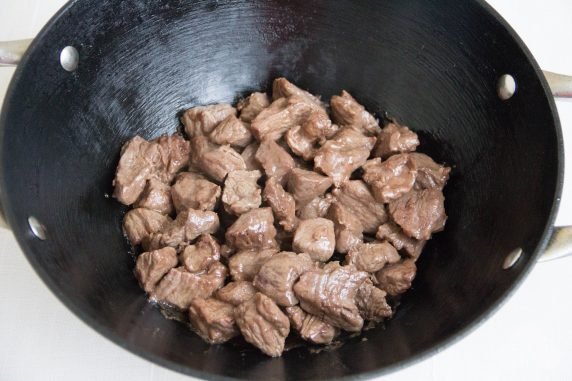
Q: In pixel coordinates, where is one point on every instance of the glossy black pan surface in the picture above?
(432, 64)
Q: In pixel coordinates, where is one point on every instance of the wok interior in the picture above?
(433, 66)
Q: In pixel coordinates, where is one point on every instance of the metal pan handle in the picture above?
(11, 52)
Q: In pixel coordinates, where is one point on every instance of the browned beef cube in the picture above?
(180, 287)
(152, 265)
(248, 155)
(282, 88)
(194, 191)
(355, 196)
(202, 120)
(215, 161)
(429, 173)
(236, 292)
(390, 179)
(315, 237)
(213, 320)
(395, 235)
(346, 111)
(372, 257)
(420, 213)
(279, 117)
(279, 273)
(188, 225)
(347, 227)
(263, 324)
(305, 185)
(311, 328)
(175, 155)
(231, 131)
(245, 264)
(274, 159)
(157, 197)
(300, 143)
(198, 257)
(393, 139)
(253, 230)
(344, 153)
(241, 192)
(140, 223)
(371, 302)
(250, 107)
(319, 127)
(316, 208)
(138, 162)
(330, 294)
(396, 278)
(282, 204)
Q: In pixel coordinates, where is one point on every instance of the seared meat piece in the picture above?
(344, 153)
(330, 294)
(429, 173)
(371, 257)
(241, 192)
(282, 204)
(253, 230)
(175, 154)
(390, 179)
(192, 190)
(215, 161)
(318, 126)
(231, 131)
(371, 302)
(282, 88)
(198, 257)
(213, 320)
(311, 328)
(279, 117)
(250, 107)
(157, 197)
(202, 120)
(187, 226)
(400, 240)
(248, 154)
(300, 143)
(393, 139)
(152, 265)
(138, 162)
(263, 324)
(355, 196)
(396, 278)
(318, 207)
(346, 111)
(236, 292)
(307, 185)
(140, 223)
(180, 287)
(245, 264)
(420, 213)
(278, 274)
(315, 237)
(347, 227)
(274, 159)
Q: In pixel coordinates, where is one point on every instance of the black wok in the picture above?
(434, 65)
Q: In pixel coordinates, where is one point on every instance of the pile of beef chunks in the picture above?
(297, 187)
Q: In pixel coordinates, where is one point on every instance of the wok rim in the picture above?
(20, 230)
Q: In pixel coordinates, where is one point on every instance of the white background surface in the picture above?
(530, 338)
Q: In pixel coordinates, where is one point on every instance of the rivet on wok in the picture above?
(506, 87)
(69, 58)
(37, 228)
(512, 258)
